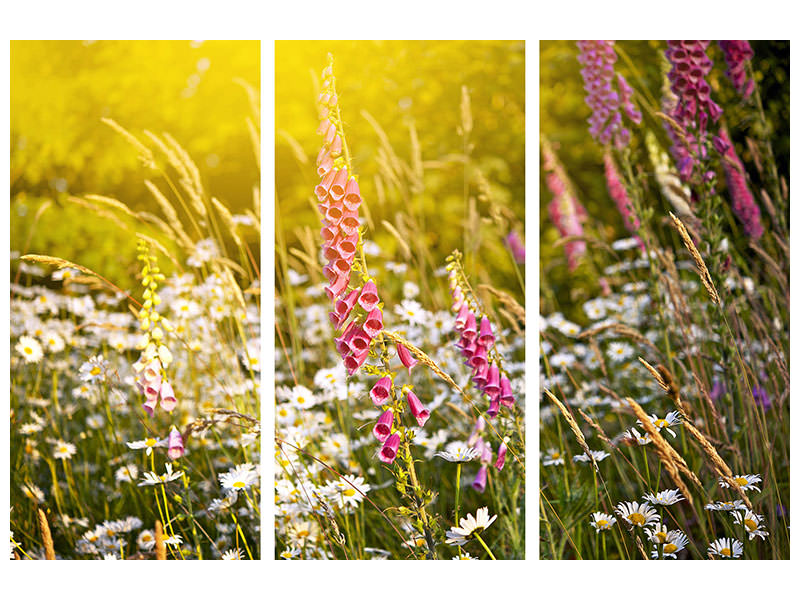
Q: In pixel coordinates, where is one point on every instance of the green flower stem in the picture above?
(458, 495)
(485, 547)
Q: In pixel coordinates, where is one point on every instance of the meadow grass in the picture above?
(664, 419)
(101, 469)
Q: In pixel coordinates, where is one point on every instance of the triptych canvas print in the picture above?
(288, 319)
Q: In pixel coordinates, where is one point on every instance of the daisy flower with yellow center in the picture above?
(753, 523)
(30, 349)
(637, 515)
(602, 521)
(239, 478)
(745, 482)
(726, 548)
(668, 542)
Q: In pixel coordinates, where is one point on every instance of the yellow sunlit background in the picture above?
(201, 93)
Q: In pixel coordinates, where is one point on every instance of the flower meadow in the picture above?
(135, 404)
(664, 306)
(400, 377)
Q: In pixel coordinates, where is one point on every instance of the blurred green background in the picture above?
(407, 85)
(563, 119)
(60, 90)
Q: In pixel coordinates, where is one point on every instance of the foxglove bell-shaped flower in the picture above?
(175, 447)
(368, 299)
(389, 451)
(373, 323)
(486, 337)
(168, 401)
(406, 357)
(506, 395)
(381, 391)
(501, 455)
(383, 428)
(420, 413)
(479, 484)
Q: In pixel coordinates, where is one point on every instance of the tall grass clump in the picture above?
(135, 421)
(664, 338)
(399, 426)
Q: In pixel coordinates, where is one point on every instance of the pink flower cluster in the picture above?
(564, 209)
(151, 382)
(605, 124)
(477, 340)
(380, 394)
(620, 195)
(338, 198)
(743, 204)
(737, 53)
(693, 107)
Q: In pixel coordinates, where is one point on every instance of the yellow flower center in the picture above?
(28, 350)
(602, 523)
(349, 492)
(637, 518)
(95, 371)
(725, 552)
(661, 537)
(660, 423)
(741, 481)
(556, 454)
(670, 548)
(301, 400)
(238, 485)
(750, 524)
(150, 442)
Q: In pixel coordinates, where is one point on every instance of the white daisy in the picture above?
(638, 515)
(664, 497)
(726, 548)
(30, 349)
(670, 542)
(726, 505)
(64, 450)
(239, 477)
(602, 521)
(753, 523)
(147, 444)
(552, 457)
(458, 452)
(470, 526)
(745, 482)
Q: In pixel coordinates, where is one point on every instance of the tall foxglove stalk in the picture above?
(742, 202)
(619, 194)
(607, 93)
(477, 346)
(737, 54)
(357, 311)
(564, 209)
(691, 108)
